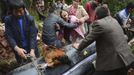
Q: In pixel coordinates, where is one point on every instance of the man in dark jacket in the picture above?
(49, 36)
(113, 52)
(20, 31)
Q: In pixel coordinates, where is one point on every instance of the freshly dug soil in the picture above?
(7, 60)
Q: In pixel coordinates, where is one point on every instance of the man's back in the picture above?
(112, 45)
(49, 27)
(113, 53)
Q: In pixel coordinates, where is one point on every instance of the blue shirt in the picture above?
(23, 38)
(124, 15)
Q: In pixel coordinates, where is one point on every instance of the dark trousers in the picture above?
(121, 71)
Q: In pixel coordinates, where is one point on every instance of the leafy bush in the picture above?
(116, 5)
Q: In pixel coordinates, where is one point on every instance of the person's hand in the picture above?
(131, 71)
(50, 64)
(75, 45)
(77, 20)
(21, 52)
(125, 26)
(45, 46)
(129, 21)
(131, 42)
(81, 20)
(32, 53)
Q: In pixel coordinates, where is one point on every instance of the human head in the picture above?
(94, 4)
(76, 3)
(17, 7)
(64, 15)
(130, 7)
(101, 12)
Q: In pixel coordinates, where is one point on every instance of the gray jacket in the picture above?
(112, 49)
(49, 30)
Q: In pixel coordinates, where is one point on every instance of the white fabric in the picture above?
(123, 15)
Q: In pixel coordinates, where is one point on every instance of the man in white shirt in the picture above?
(125, 13)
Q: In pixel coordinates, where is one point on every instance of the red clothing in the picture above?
(90, 11)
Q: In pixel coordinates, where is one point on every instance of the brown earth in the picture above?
(7, 60)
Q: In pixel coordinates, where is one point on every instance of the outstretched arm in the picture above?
(95, 33)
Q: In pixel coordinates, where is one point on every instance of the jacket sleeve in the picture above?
(84, 14)
(63, 23)
(33, 34)
(8, 33)
(90, 38)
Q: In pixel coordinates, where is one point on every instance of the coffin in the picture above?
(80, 65)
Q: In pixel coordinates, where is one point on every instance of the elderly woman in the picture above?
(77, 10)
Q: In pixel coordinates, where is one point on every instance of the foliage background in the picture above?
(117, 5)
(114, 5)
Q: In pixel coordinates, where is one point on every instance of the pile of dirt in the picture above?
(7, 59)
(5, 50)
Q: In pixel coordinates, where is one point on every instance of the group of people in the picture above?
(68, 22)
(114, 56)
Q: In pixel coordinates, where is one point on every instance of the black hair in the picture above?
(93, 4)
(15, 4)
(130, 5)
(101, 12)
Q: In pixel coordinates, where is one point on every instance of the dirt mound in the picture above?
(7, 60)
